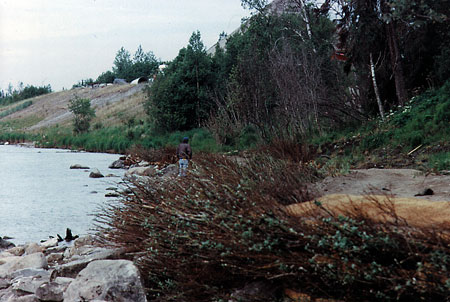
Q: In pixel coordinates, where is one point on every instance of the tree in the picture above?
(122, 63)
(180, 98)
(106, 77)
(390, 29)
(83, 114)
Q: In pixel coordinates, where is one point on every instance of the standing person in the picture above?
(184, 154)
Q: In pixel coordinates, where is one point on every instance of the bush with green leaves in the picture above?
(225, 225)
(83, 114)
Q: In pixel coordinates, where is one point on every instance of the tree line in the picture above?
(305, 68)
(12, 95)
(142, 64)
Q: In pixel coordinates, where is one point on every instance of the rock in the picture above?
(78, 166)
(29, 284)
(55, 258)
(30, 272)
(52, 242)
(12, 264)
(83, 241)
(170, 170)
(425, 192)
(17, 250)
(53, 290)
(95, 173)
(75, 263)
(118, 164)
(4, 284)
(108, 280)
(5, 244)
(112, 194)
(33, 248)
(141, 171)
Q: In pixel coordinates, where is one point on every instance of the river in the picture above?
(40, 196)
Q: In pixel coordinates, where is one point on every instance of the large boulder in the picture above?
(141, 171)
(118, 164)
(95, 173)
(107, 280)
(54, 290)
(11, 264)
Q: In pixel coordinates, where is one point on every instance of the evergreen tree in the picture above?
(179, 99)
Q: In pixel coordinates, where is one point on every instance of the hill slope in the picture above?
(113, 105)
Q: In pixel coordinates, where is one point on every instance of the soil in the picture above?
(393, 182)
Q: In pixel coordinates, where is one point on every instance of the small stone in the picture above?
(78, 166)
(425, 192)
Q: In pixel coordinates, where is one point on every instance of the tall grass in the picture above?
(121, 138)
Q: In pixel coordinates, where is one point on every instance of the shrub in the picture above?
(197, 238)
(83, 112)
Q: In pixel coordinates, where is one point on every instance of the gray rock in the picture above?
(4, 284)
(53, 291)
(5, 244)
(29, 284)
(52, 242)
(141, 171)
(170, 170)
(30, 272)
(78, 166)
(73, 267)
(55, 258)
(95, 173)
(108, 280)
(17, 250)
(11, 264)
(118, 164)
(33, 248)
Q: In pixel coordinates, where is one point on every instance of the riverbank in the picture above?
(81, 270)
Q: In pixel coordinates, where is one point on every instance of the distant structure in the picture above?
(120, 82)
(140, 80)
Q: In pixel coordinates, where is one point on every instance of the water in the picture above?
(41, 196)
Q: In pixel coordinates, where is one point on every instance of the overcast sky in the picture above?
(60, 42)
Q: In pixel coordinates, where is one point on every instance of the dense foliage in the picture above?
(179, 98)
(290, 70)
(22, 93)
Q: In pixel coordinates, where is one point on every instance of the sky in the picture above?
(60, 42)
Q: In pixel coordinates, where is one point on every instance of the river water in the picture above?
(41, 196)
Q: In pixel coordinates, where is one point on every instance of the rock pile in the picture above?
(81, 271)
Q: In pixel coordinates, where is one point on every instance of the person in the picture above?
(184, 154)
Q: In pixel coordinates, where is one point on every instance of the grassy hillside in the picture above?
(114, 105)
(416, 135)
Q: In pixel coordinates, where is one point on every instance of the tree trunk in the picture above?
(375, 87)
(397, 66)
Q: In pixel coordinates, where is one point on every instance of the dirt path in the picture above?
(398, 182)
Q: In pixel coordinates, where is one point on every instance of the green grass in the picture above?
(15, 109)
(120, 138)
(423, 122)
